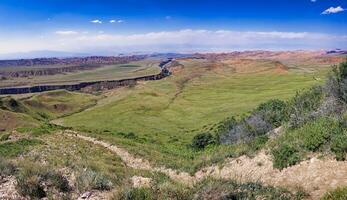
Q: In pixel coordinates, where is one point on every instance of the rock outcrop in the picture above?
(94, 85)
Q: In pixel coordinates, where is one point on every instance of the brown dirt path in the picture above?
(315, 176)
(137, 163)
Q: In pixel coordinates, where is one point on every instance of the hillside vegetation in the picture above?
(208, 115)
(157, 120)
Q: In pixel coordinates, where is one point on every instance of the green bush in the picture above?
(32, 180)
(200, 141)
(257, 143)
(300, 108)
(339, 78)
(318, 132)
(6, 168)
(339, 145)
(273, 111)
(226, 125)
(337, 194)
(89, 179)
(260, 121)
(285, 156)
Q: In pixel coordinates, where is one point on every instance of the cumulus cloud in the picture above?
(64, 33)
(120, 21)
(333, 10)
(112, 21)
(96, 21)
(313, 0)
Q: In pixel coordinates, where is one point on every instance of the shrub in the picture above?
(285, 156)
(58, 181)
(255, 125)
(89, 179)
(30, 185)
(318, 132)
(32, 180)
(230, 131)
(258, 143)
(6, 168)
(339, 146)
(303, 104)
(273, 111)
(263, 119)
(200, 141)
(339, 77)
(226, 125)
(337, 194)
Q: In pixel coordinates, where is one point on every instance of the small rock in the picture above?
(312, 160)
(86, 195)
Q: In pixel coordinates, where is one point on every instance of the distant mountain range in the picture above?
(337, 51)
(41, 54)
(62, 54)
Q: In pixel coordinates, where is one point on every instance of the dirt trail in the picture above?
(137, 163)
(314, 176)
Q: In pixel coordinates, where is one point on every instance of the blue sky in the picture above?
(171, 25)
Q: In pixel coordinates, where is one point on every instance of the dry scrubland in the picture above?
(177, 122)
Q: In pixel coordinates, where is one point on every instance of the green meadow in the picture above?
(158, 119)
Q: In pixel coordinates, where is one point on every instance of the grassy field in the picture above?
(158, 119)
(58, 103)
(34, 110)
(108, 72)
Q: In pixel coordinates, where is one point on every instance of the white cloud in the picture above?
(196, 40)
(114, 21)
(186, 40)
(64, 33)
(96, 21)
(313, 0)
(333, 10)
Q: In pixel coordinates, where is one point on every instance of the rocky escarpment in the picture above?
(47, 71)
(94, 85)
(70, 61)
(38, 67)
